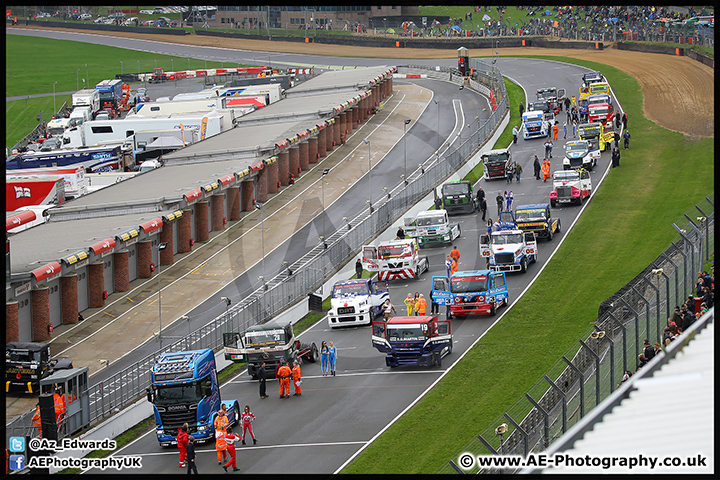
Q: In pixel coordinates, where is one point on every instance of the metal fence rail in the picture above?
(310, 272)
(590, 371)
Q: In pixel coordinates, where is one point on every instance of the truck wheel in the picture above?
(313, 354)
(558, 227)
(523, 265)
(553, 203)
(493, 310)
(550, 234)
(236, 409)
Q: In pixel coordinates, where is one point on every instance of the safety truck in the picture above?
(420, 340)
(596, 133)
(534, 125)
(269, 344)
(184, 389)
(395, 259)
(477, 292)
(457, 197)
(356, 302)
(538, 218)
(508, 250)
(26, 363)
(494, 163)
(570, 186)
(581, 154)
(554, 97)
(432, 227)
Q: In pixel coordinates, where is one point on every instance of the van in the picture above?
(80, 115)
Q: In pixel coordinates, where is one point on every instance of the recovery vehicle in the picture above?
(509, 250)
(26, 363)
(457, 197)
(432, 227)
(269, 344)
(478, 292)
(395, 259)
(494, 163)
(418, 340)
(537, 217)
(184, 389)
(570, 186)
(356, 302)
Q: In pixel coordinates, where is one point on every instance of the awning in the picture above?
(20, 219)
(256, 167)
(227, 180)
(210, 187)
(193, 195)
(321, 125)
(172, 216)
(47, 271)
(125, 236)
(103, 246)
(152, 225)
(304, 134)
(282, 144)
(76, 257)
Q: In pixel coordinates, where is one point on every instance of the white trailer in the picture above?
(73, 177)
(80, 115)
(88, 97)
(272, 92)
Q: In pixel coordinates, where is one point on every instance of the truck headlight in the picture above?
(202, 428)
(160, 431)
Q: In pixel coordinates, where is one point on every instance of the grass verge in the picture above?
(625, 227)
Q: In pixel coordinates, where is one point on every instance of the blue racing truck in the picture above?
(184, 389)
(421, 341)
(478, 292)
(534, 125)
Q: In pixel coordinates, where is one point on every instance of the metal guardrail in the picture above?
(310, 272)
(591, 371)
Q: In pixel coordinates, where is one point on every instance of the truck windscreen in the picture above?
(407, 332)
(455, 189)
(530, 214)
(340, 291)
(189, 392)
(495, 159)
(427, 221)
(393, 251)
(265, 338)
(468, 284)
(506, 239)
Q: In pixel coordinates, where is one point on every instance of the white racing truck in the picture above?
(432, 227)
(395, 259)
(570, 186)
(508, 250)
(356, 302)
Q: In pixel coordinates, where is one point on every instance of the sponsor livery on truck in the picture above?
(601, 112)
(184, 389)
(594, 89)
(98, 159)
(395, 259)
(554, 97)
(111, 93)
(537, 218)
(356, 302)
(269, 344)
(581, 154)
(494, 163)
(596, 133)
(534, 125)
(478, 292)
(73, 177)
(418, 340)
(26, 363)
(457, 197)
(570, 186)
(26, 191)
(432, 227)
(509, 250)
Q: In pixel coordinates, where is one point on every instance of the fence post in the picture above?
(692, 253)
(487, 445)
(704, 223)
(518, 428)
(597, 372)
(612, 357)
(546, 421)
(657, 308)
(647, 311)
(564, 397)
(698, 232)
(637, 333)
(582, 384)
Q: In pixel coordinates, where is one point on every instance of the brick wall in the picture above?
(41, 314)
(202, 234)
(69, 298)
(313, 150)
(284, 168)
(218, 211)
(322, 142)
(233, 194)
(248, 194)
(261, 186)
(273, 177)
(144, 259)
(294, 161)
(12, 334)
(184, 226)
(96, 284)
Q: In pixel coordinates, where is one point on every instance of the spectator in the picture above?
(626, 139)
(616, 157)
(499, 200)
(509, 171)
(548, 148)
(515, 133)
(641, 361)
(649, 351)
(518, 172)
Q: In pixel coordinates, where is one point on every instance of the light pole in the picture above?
(322, 235)
(367, 142)
(437, 121)
(227, 317)
(161, 247)
(260, 206)
(87, 75)
(77, 79)
(54, 106)
(122, 68)
(405, 151)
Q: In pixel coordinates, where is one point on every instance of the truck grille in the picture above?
(172, 421)
(564, 192)
(348, 319)
(504, 258)
(345, 310)
(576, 162)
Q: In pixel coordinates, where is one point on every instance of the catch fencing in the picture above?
(590, 371)
(305, 276)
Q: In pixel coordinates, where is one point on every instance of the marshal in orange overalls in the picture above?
(284, 374)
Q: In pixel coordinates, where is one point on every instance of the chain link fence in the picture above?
(129, 384)
(590, 371)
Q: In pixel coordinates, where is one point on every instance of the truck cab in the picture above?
(184, 389)
(395, 259)
(570, 186)
(534, 125)
(581, 154)
(420, 340)
(269, 344)
(602, 113)
(594, 89)
(551, 95)
(538, 218)
(432, 227)
(356, 302)
(506, 221)
(478, 292)
(509, 250)
(26, 363)
(458, 197)
(494, 163)
(592, 77)
(597, 134)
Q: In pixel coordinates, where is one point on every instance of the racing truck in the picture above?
(534, 125)
(395, 259)
(508, 250)
(601, 112)
(551, 95)
(594, 89)
(457, 197)
(26, 363)
(269, 344)
(478, 292)
(596, 133)
(592, 77)
(538, 218)
(581, 154)
(570, 186)
(494, 163)
(506, 221)
(432, 227)
(356, 302)
(419, 340)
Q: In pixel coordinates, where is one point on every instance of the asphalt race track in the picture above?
(335, 417)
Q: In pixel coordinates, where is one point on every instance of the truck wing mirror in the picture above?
(149, 395)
